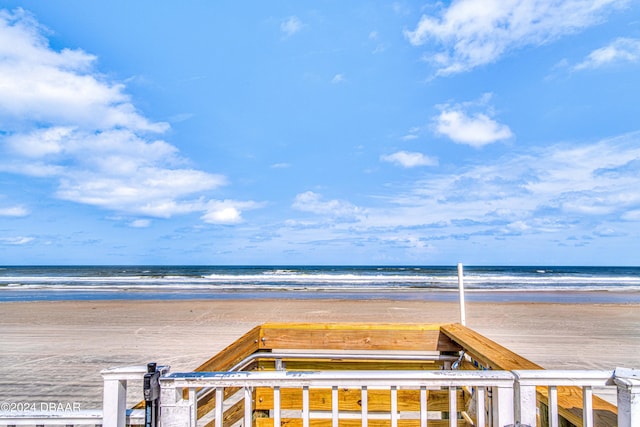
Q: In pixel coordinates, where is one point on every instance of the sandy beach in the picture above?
(54, 351)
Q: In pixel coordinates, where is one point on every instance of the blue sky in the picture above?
(364, 132)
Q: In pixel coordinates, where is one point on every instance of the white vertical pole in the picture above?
(193, 401)
(453, 407)
(276, 406)
(587, 406)
(219, 411)
(553, 406)
(305, 406)
(503, 409)
(481, 417)
(335, 411)
(394, 406)
(525, 404)
(423, 406)
(463, 316)
(365, 406)
(114, 405)
(175, 411)
(628, 382)
(248, 409)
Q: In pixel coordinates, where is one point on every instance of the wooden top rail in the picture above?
(492, 355)
(367, 337)
(331, 336)
(355, 336)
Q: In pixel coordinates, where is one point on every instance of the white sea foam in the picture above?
(290, 279)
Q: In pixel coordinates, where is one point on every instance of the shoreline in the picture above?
(617, 296)
(55, 350)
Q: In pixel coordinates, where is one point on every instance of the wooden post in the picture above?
(174, 410)
(114, 404)
(503, 406)
(525, 404)
(463, 316)
(628, 382)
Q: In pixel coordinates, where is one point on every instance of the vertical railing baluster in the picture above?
(219, 406)
(193, 401)
(114, 401)
(553, 406)
(481, 407)
(453, 407)
(364, 401)
(305, 406)
(276, 406)
(587, 406)
(334, 406)
(423, 406)
(394, 406)
(248, 407)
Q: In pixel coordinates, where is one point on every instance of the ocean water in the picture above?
(532, 283)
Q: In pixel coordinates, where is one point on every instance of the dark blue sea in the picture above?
(532, 283)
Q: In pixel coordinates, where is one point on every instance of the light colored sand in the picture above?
(54, 351)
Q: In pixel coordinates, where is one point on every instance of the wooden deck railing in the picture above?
(353, 398)
(385, 398)
(398, 374)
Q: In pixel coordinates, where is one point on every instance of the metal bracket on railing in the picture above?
(151, 391)
(457, 363)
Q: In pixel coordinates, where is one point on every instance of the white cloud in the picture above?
(148, 191)
(547, 194)
(282, 165)
(618, 51)
(412, 134)
(477, 32)
(19, 240)
(552, 196)
(632, 215)
(14, 211)
(291, 25)
(38, 84)
(140, 223)
(380, 47)
(226, 211)
(310, 201)
(546, 190)
(409, 159)
(338, 78)
(227, 215)
(39, 143)
(65, 121)
(472, 128)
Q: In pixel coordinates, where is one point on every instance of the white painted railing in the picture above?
(513, 395)
(527, 381)
(114, 411)
(180, 412)
(47, 418)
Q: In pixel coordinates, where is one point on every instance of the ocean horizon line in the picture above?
(141, 281)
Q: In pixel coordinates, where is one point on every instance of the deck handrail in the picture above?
(49, 418)
(279, 356)
(514, 394)
(526, 382)
(180, 412)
